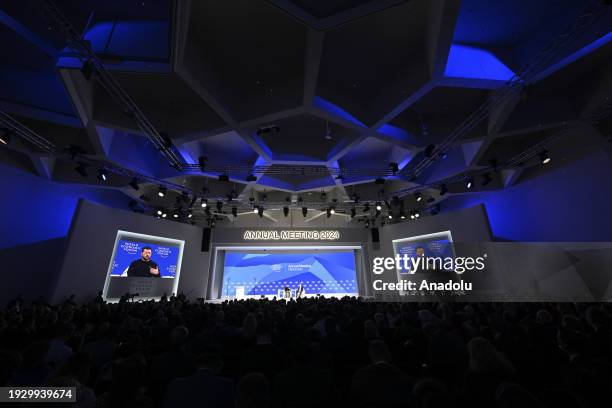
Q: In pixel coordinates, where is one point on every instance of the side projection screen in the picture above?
(143, 265)
(256, 273)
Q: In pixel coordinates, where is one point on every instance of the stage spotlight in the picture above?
(102, 175)
(402, 215)
(82, 170)
(390, 216)
(162, 191)
(5, 136)
(469, 184)
(418, 196)
(159, 212)
(353, 212)
(164, 214)
(223, 177)
(235, 212)
(175, 214)
(251, 178)
(332, 210)
(412, 216)
(204, 203)
(304, 211)
(544, 157)
(285, 211)
(443, 189)
(190, 215)
(417, 214)
(255, 210)
(378, 206)
(219, 206)
(486, 179)
(394, 167)
(366, 207)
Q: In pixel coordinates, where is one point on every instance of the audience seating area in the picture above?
(311, 353)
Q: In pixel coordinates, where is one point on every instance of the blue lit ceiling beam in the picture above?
(474, 67)
(443, 15)
(587, 49)
(314, 49)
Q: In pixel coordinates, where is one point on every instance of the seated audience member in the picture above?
(380, 382)
(205, 388)
(253, 391)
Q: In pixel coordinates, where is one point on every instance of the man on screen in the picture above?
(144, 267)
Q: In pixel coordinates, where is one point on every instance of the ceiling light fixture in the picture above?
(544, 157)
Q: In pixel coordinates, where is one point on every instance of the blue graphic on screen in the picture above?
(439, 246)
(268, 273)
(165, 256)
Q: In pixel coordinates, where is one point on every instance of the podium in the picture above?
(239, 292)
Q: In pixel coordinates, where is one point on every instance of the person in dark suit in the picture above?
(144, 267)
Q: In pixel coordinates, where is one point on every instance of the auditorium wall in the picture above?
(35, 216)
(90, 247)
(570, 203)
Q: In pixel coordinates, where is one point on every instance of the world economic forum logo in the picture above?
(163, 252)
(131, 248)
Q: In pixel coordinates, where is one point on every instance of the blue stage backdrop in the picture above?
(434, 245)
(165, 256)
(265, 273)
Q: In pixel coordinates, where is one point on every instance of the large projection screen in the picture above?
(265, 272)
(438, 244)
(165, 256)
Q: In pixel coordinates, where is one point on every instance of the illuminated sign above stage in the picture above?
(290, 235)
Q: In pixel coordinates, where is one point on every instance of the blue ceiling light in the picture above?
(475, 63)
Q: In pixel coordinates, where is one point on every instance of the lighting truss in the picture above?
(84, 52)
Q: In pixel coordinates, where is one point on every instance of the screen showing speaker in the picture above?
(145, 265)
(270, 273)
(436, 245)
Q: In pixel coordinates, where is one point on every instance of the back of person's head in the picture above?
(64, 331)
(570, 341)
(210, 361)
(431, 393)
(543, 316)
(370, 330)
(379, 352)
(249, 324)
(179, 336)
(253, 391)
(485, 358)
(510, 395)
(595, 317)
(78, 366)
